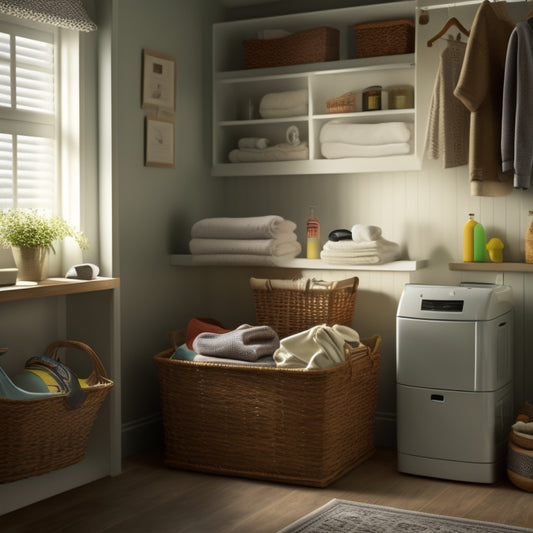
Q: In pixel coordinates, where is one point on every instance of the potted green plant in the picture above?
(31, 233)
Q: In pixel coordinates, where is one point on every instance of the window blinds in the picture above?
(68, 14)
(28, 167)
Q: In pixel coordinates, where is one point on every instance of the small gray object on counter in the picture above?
(83, 271)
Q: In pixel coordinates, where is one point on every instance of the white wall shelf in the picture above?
(491, 267)
(307, 264)
(234, 86)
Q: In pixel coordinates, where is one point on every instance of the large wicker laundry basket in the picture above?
(307, 427)
(520, 452)
(41, 435)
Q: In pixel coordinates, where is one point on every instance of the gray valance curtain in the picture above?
(63, 13)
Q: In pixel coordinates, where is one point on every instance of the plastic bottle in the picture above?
(468, 238)
(313, 235)
(479, 243)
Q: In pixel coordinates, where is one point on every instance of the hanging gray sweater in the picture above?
(517, 106)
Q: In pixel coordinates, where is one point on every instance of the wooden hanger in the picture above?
(451, 22)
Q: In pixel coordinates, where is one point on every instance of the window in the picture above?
(29, 117)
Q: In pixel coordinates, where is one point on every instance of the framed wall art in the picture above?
(159, 149)
(159, 81)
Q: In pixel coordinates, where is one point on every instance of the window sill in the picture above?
(492, 267)
(27, 290)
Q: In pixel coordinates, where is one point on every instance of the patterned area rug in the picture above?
(347, 517)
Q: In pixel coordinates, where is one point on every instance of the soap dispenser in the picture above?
(468, 238)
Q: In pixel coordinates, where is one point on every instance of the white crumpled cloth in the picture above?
(318, 347)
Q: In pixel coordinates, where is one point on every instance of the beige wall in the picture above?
(422, 210)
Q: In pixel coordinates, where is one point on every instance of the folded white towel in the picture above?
(280, 103)
(279, 152)
(295, 111)
(240, 259)
(362, 232)
(365, 252)
(337, 150)
(351, 246)
(377, 259)
(253, 142)
(277, 247)
(261, 227)
(318, 347)
(365, 134)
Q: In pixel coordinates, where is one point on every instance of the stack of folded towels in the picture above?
(264, 240)
(208, 341)
(366, 246)
(343, 139)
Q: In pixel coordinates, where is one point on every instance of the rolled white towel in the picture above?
(261, 227)
(253, 142)
(362, 232)
(284, 104)
(337, 150)
(335, 131)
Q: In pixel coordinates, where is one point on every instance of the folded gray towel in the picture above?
(268, 360)
(247, 343)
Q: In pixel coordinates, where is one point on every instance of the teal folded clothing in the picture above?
(10, 391)
(182, 352)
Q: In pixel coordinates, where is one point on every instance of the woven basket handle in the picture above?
(98, 375)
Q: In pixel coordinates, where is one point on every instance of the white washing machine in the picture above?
(454, 380)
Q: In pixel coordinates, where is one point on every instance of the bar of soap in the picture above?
(8, 276)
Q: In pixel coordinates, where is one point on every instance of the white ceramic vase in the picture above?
(32, 263)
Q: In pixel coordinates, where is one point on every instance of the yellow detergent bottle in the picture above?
(313, 235)
(468, 238)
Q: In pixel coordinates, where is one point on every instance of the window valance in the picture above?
(69, 14)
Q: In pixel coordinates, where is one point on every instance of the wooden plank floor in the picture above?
(150, 498)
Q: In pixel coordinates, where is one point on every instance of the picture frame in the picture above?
(158, 81)
(159, 145)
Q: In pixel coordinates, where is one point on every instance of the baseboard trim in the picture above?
(142, 434)
(385, 436)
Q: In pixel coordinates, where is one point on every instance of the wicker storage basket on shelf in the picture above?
(289, 311)
(520, 452)
(41, 435)
(307, 46)
(307, 427)
(384, 38)
(342, 104)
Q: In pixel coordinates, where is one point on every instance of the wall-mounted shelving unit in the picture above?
(307, 264)
(233, 86)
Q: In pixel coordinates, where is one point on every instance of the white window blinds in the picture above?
(28, 159)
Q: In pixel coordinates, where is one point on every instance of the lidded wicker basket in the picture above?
(292, 310)
(384, 38)
(308, 46)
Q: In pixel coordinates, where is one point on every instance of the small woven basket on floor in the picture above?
(308, 46)
(307, 427)
(41, 435)
(289, 311)
(520, 452)
(384, 38)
